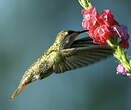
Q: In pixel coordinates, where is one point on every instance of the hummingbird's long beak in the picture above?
(76, 33)
(82, 31)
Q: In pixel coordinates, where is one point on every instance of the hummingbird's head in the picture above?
(66, 37)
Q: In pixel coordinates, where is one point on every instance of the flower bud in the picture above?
(84, 3)
(122, 70)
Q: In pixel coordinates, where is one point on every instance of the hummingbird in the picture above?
(65, 54)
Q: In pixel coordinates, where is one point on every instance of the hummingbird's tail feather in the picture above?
(18, 91)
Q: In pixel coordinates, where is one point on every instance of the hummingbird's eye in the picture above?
(70, 32)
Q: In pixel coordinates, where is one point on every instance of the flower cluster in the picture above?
(103, 26)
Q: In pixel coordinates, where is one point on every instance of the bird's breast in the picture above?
(54, 57)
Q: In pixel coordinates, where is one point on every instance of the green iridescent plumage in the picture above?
(65, 54)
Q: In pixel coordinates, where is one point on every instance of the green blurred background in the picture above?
(27, 28)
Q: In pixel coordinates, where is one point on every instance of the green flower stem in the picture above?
(84, 3)
(120, 55)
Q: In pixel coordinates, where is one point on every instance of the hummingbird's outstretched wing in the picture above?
(83, 42)
(82, 53)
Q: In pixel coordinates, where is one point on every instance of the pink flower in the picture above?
(107, 18)
(99, 26)
(122, 71)
(122, 32)
(124, 44)
(100, 35)
(89, 16)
